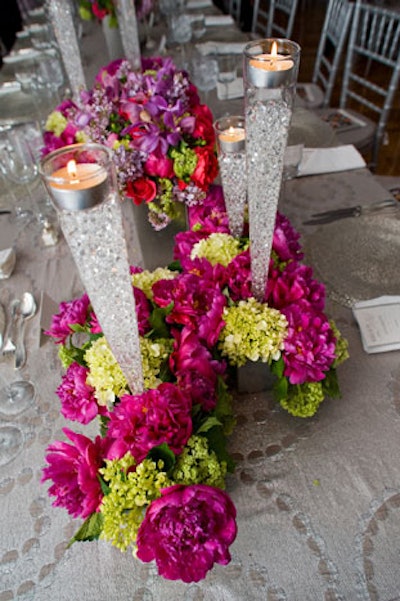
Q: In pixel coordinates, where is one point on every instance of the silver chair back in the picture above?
(234, 9)
(372, 67)
(275, 18)
(333, 37)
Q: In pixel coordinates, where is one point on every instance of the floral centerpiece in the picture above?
(154, 479)
(162, 138)
(99, 9)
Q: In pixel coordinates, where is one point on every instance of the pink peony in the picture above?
(71, 313)
(294, 284)
(238, 274)
(78, 402)
(211, 213)
(286, 240)
(195, 369)
(187, 530)
(74, 468)
(309, 348)
(197, 303)
(141, 422)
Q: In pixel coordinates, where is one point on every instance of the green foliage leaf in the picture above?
(330, 385)
(217, 442)
(157, 321)
(277, 367)
(207, 424)
(90, 529)
(164, 453)
(281, 389)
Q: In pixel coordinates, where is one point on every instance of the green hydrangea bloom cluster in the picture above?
(197, 464)
(217, 248)
(66, 356)
(342, 346)
(303, 400)
(185, 161)
(146, 279)
(130, 492)
(56, 122)
(253, 331)
(105, 375)
(154, 353)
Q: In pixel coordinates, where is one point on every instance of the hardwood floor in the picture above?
(307, 29)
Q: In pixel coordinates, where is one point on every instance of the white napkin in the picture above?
(195, 4)
(234, 89)
(330, 160)
(221, 47)
(214, 20)
(379, 323)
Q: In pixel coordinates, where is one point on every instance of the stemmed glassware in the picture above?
(181, 33)
(19, 160)
(227, 68)
(204, 72)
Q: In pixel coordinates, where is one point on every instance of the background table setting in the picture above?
(317, 498)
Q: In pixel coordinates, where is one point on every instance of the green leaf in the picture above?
(164, 453)
(105, 489)
(217, 442)
(157, 321)
(277, 367)
(175, 266)
(90, 529)
(330, 384)
(208, 423)
(281, 389)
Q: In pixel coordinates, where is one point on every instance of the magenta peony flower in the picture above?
(143, 310)
(139, 423)
(309, 348)
(73, 468)
(71, 313)
(293, 285)
(239, 276)
(184, 242)
(211, 213)
(195, 369)
(187, 530)
(78, 402)
(197, 303)
(286, 240)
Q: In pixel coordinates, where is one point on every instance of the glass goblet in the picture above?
(204, 72)
(227, 68)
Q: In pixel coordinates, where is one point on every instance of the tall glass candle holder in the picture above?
(82, 184)
(127, 23)
(62, 19)
(270, 75)
(231, 144)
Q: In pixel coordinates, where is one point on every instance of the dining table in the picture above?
(317, 499)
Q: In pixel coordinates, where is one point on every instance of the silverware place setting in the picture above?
(325, 217)
(12, 341)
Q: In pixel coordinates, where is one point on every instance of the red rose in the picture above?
(204, 124)
(206, 169)
(141, 189)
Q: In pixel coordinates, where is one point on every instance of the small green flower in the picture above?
(342, 346)
(154, 355)
(303, 400)
(217, 248)
(105, 375)
(252, 332)
(130, 492)
(185, 161)
(198, 465)
(56, 123)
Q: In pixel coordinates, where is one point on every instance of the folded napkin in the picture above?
(330, 160)
(214, 20)
(379, 323)
(221, 47)
(234, 89)
(195, 4)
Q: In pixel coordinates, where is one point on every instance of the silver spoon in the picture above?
(27, 311)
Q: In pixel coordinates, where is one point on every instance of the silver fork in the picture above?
(9, 345)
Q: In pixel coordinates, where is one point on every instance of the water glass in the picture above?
(227, 69)
(198, 26)
(204, 72)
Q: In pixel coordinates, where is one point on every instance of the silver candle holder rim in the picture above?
(260, 51)
(282, 48)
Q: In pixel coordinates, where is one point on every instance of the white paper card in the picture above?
(221, 47)
(195, 4)
(330, 160)
(379, 323)
(215, 20)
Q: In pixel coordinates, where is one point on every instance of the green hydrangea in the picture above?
(197, 464)
(146, 279)
(303, 400)
(217, 248)
(130, 492)
(66, 356)
(185, 161)
(56, 122)
(154, 354)
(105, 375)
(342, 346)
(252, 332)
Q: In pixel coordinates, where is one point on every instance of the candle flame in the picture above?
(231, 130)
(71, 169)
(274, 49)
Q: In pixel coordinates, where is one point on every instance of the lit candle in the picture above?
(78, 186)
(270, 70)
(232, 139)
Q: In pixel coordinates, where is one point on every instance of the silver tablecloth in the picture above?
(318, 500)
